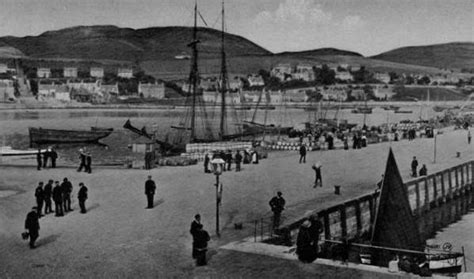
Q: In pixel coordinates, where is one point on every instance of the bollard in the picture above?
(458, 154)
(337, 189)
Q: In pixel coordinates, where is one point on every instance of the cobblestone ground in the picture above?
(119, 238)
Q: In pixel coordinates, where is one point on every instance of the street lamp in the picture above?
(217, 167)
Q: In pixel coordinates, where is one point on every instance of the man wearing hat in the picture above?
(82, 197)
(82, 157)
(39, 194)
(32, 225)
(58, 199)
(48, 193)
(277, 205)
(150, 188)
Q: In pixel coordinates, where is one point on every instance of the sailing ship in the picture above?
(43, 136)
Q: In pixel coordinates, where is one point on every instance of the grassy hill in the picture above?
(319, 52)
(114, 43)
(452, 55)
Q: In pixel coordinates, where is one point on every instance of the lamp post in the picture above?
(217, 166)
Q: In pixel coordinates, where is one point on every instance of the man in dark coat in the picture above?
(423, 170)
(193, 230)
(305, 243)
(39, 194)
(82, 197)
(277, 205)
(238, 161)
(200, 245)
(32, 225)
(88, 162)
(54, 155)
(318, 176)
(150, 188)
(46, 155)
(58, 199)
(66, 188)
(207, 160)
(82, 157)
(414, 165)
(47, 193)
(303, 153)
(228, 159)
(39, 162)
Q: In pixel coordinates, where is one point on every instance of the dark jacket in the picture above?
(82, 195)
(39, 194)
(238, 157)
(66, 187)
(277, 204)
(32, 222)
(303, 150)
(57, 194)
(201, 237)
(150, 187)
(48, 191)
(414, 164)
(53, 154)
(194, 227)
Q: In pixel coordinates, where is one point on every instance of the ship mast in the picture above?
(224, 80)
(193, 76)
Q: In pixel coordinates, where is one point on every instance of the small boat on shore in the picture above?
(42, 136)
(403, 111)
(364, 110)
(8, 151)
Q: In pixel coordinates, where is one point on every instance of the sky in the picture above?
(365, 26)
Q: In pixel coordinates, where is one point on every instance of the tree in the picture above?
(409, 80)
(325, 75)
(393, 76)
(424, 80)
(362, 76)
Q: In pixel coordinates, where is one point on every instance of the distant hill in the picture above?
(113, 43)
(319, 52)
(10, 52)
(452, 55)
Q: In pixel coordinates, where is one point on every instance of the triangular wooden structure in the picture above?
(394, 224)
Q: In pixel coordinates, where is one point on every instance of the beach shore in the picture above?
(118, 237)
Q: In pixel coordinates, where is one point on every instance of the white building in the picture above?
(382, 77)
(255, 80)
(125, 72)
(89, 85)
(97, 72)
(3, 68)
(43, 73)
(345, 76)
(281, 71)
(56, 91)
(70, 72)
(304, 72)
(215, 97)
(152, 90)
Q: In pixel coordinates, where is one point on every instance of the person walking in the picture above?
(414, 165)
(48, 193)
(318, 177)
(66, 188)
(82, 197)
(88, 162)
(58, 199)
(277, 204)
(302, 153)
(32, 225)
(54, 155)
(82, 157)
(39, 194)
(39, 161)
(150, 188)
(238, 161)
(200, 245)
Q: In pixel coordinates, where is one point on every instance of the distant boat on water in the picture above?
(42, 136)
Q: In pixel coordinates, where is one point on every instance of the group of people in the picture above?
(246, 157)
(414, 165)
(86, 160)
(45, 195)
(42, 158)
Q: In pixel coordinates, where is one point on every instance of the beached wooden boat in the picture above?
(364, 110)
(41, 136)
(403, 111)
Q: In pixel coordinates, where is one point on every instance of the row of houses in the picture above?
(305, 71)
(95, 72)
(93, 91)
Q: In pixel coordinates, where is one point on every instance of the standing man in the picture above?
(200, 245)
(82, 197)
(66, 188)
(238, 161)
(39, 162)
(47, 193)
(207, 160)
(194, 228)
(150, 188)
(54, 155)
(88, 162)
(39, 194)
(414, 165)
(82, 157)
(277, 205)
(46, 155)
(32, 225)
(58, 199)
(228, 159)
(303, 153)
(468, 136)
(317, 171)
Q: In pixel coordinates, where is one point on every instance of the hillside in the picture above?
(114, 43)
(319, 52)
(451, 55)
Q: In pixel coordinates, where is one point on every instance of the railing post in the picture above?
(342, 214)
(358, 217)
(450, 189)
(327, 226)
(427, 195)
(462, 176)
(417, 193)
(435, 190)
(255, 231)
(372, 209)
(457, 178)
(443, 190)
